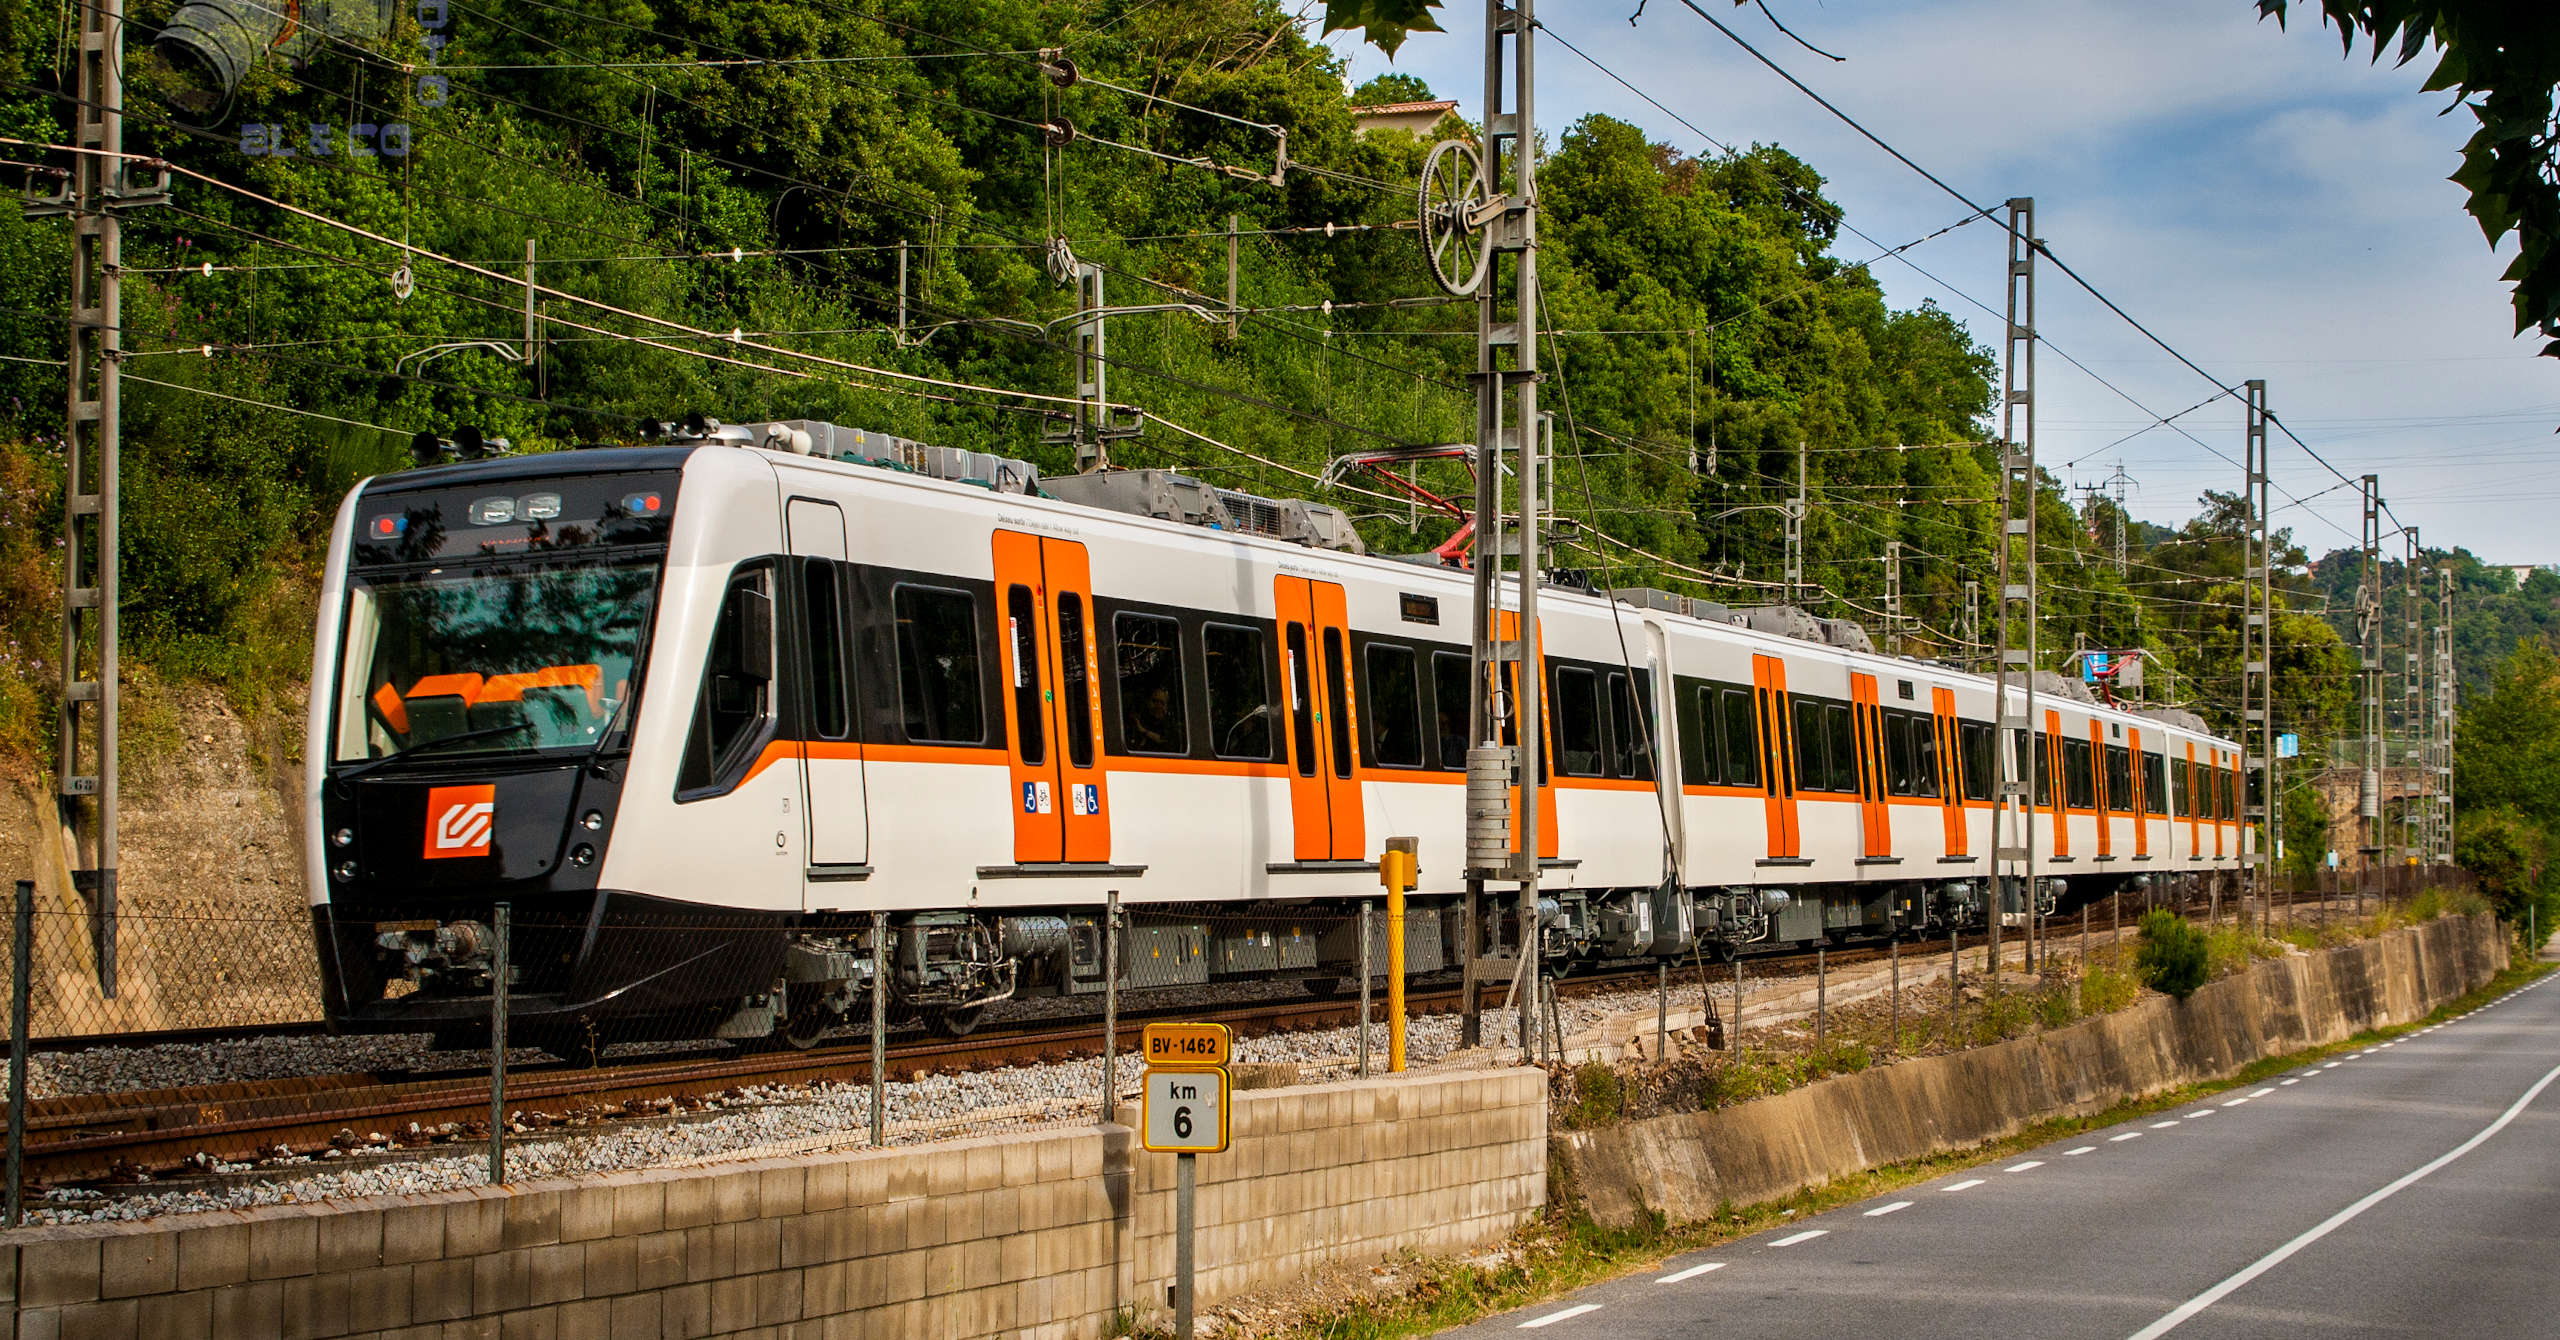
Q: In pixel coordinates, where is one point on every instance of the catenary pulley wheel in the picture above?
(1449, 205)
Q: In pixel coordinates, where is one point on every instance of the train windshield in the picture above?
(485, 658)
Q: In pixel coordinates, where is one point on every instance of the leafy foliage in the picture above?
(1383, 23)
(2501, 61)
(2173, 956)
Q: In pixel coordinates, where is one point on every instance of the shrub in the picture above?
(2104, 990)
(1598, 1096)
(2172, 957)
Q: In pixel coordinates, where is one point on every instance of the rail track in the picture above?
(134, 1136)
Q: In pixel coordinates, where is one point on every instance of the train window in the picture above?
(1239, 691)
(2178, 788)
(1147, 656)
(1741, 739)
(2119, 779)
(1897, 753)
(2080, 784)
(1395, 707)
(823, 594)
(1979, 761)
(1813, 757)
(1450, 706)
(938, 685)
(2155, 799)
(1075, 687)
(2044, 770)
(1924, 756)
(1695, 705)
(1302, 712)
(1631, 726)
(1577, 720)
(736, 684)
(1337, 684)
(1843, 727)
(1022, 649)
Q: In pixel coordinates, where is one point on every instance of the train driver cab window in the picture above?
(1395, 706)
(1075, 690)
(1450, 706)
(1741, 739)
(939, 691)
(1631, 742)
(735, 704)
(1147, 654)
(1577, 721)
(1239, 691)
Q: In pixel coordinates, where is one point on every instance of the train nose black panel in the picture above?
(463, 831)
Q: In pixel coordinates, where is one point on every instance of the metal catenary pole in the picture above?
(1110, 1000)
(2412, 709)
(1367, 967)
(100, 188)
(2369, 688)
(2257, 718)
(2014, 860)
(2446, 691)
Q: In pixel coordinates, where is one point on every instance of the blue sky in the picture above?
(2271, 209)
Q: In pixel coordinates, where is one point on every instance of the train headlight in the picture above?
(346, 870)
(582, 855)
(344, 837)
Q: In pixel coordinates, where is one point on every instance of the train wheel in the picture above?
(806, 1028)
(955, 1023)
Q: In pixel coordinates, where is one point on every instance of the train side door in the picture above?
(2141, 796)
(1876, 822)
(1550, 841)
(1951, 767)
(1328, 821)
(2102, 789)
(2061, 788)
(2195, 802)
(836, 810)
(1052, 706)
(1777, 760)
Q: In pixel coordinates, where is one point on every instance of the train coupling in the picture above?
(419, 950)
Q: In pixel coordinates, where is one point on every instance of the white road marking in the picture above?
(1806, 1236)
(2261, 1093)
(1964, 1185)
(1553, 1317)
(2120, 1139)
(2022, 1167)
(2295, 1080)
(1691, 1273)
(2164, 1125)
(2235, 1102)
(2075, 1153)
(2333, 1065)
(2203, 1113)
(1881, 1211)
(2271, 1260)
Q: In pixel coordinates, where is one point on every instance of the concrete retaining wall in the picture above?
(1684, 1166)
(1045, 1234)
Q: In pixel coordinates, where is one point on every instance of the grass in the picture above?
(1564, 1251)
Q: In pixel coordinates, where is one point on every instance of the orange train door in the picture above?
(1951, 776)
(1778, 763)
(2195, 802)
(2141, 798)
(2102, 790)
(2060, 791)
(1053, 700)
(1876, 822)
(1318, 700)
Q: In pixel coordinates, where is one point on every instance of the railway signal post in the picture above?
(1185, 1113)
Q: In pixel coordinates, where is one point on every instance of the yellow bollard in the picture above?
(1396, 869)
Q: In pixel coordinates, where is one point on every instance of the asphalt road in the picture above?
(2412, 1189)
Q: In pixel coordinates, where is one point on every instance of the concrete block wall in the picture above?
(1684, 1166)
(1045, 1233)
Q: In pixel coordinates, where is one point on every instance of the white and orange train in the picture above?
(696, 713)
